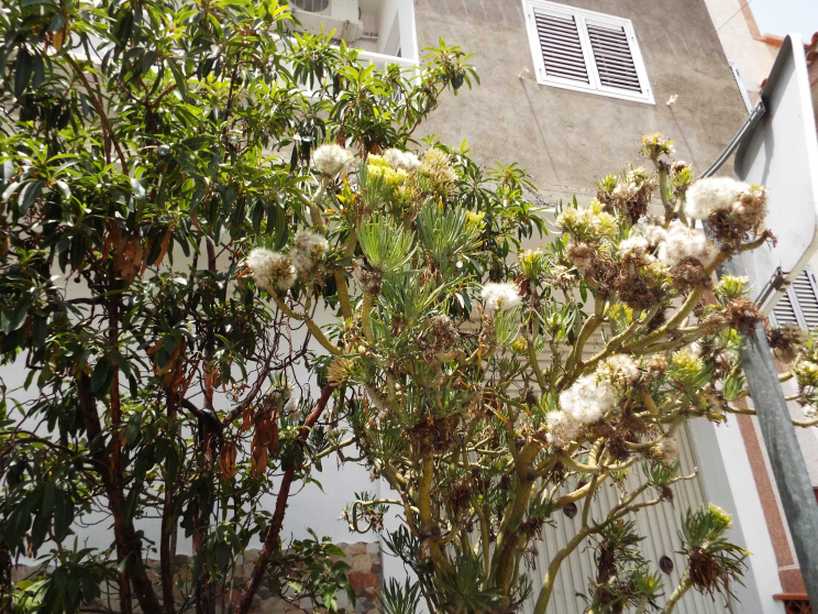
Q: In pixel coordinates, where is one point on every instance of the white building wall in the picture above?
(753, 57)
(727, 480)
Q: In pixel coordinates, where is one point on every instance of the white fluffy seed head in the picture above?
(633, 245)
(621, 368)
(666, 450)
(307, 251)
(401, 160)
(332, 159)
(588, 399)
(271, 270)
(706, 196)
(653, 233)
(562, 428)
(682, 242)
(500, 296)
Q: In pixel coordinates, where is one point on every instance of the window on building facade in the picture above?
(583, 50)
(383, 30)
(798, 306)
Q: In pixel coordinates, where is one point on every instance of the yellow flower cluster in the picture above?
(436, 169)
(379, 169)
(731, 287)
(620, 312)
(590, 223)
(719, 516)
(475, 221)
(806, 373)
(519, 345)
(686, 365)
(533, 263)
(681, 176)
(656, 144)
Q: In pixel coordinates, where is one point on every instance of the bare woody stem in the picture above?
(366, 320)
(427, 524)
(128, 544)
(589, 326)
(553, 568)
(96, 101)
(272, 540)
(115, 458)
(625, 507)
(341, 280)
(664, 190)
(533, 361)
(168, 529)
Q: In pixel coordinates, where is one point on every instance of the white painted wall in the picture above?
(389, 27)
(752, 57)
(659, 524)
(408, 30)
(727, 479)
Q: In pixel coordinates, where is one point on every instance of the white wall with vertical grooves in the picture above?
(660, 526)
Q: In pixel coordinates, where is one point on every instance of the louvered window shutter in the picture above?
(583, 50)
(799, 305)
(561, 46)
(612, 54)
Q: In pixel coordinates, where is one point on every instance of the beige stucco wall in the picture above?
(568, 139)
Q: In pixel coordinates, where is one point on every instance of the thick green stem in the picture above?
(485, 539)
(343, 295)
(427, 524)
(684, 585)
(533, 360)
(553, 567)
(664, 191)
(589, 326)
(508, 535)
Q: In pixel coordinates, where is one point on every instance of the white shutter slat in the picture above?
(784, 312)
(805, 296)
(613, 57)
(566, 26)
(561, 46)
(798, 306)
(560, 56)
(560, 33)
(659, 525)
(558, 46)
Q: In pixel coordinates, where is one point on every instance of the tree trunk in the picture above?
(272, 541)
(128, 544)
(6, 587)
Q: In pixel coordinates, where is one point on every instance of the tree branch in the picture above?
(272, 540)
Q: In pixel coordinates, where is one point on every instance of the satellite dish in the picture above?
(780, 151)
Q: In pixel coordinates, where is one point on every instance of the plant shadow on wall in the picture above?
(222, 265)
(147, 148)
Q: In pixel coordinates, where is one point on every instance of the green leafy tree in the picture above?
(146, 148)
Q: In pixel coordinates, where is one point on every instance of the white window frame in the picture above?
(404, 29)
(594, 86)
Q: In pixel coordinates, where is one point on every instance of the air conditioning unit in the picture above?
(342, 16)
